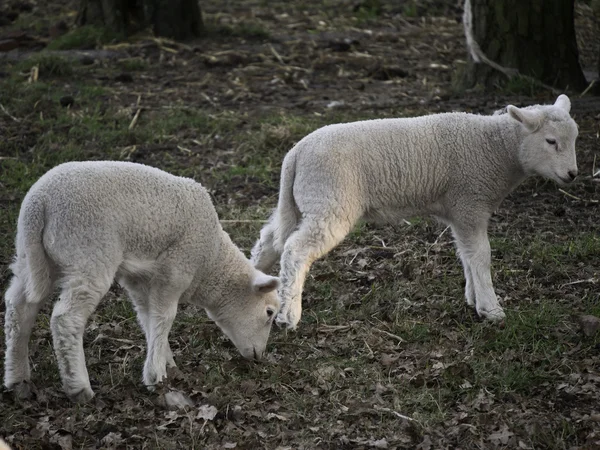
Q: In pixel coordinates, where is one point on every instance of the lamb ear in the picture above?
(563, 102)
(529, 118)
(265, 283)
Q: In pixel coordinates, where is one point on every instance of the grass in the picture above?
(133, 64)
(85, 38)
(245, 30)
(519, 85)
(48, 65)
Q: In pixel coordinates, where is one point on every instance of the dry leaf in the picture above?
(206, 412)
(176, 399)
(589, 324)
(501, 437)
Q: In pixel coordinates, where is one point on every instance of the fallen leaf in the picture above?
(380, 443)
(501, 437)
(63, 438)
(177, 399)
(425, 443)
(112, 439)
(276, 416)
(206, 412)
(589, 324)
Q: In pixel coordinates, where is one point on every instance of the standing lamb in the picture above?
(84, 224)
(457, 167)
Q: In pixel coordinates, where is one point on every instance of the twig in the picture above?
(208, 99)
(135, 119)
(589, 280)
(277, 55)
(387, 333)
(577, 198)
(332, 328)
(396, 413)
(441, 234)
(9, 114)
(587, 88)
(122, 341)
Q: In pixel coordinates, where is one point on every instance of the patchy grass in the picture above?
(133, 64)
(47, 64)
(520, 85)
(85, 38)
(245, 30)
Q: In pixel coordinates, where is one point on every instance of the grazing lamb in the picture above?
(457, 167)
(84, 224)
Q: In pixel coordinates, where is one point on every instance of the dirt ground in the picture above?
(387, 355)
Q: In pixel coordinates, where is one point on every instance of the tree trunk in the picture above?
(535, 37)
(177, 19)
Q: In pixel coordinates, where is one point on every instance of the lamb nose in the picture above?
(572, 174)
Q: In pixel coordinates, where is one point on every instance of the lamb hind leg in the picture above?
(474, 248)
(264, 254)
(19, 320)
(79, 298)
(314, 238)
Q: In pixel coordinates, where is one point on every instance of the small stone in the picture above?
(124, 78)
(67, 101)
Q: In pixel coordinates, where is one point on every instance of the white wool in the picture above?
(84, 224)
(457, 167)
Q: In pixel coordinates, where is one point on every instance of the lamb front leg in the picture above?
(163, 300)
(474, 248)
(139, 294)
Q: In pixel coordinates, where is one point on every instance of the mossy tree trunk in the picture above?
(177, 19)
(536, 37)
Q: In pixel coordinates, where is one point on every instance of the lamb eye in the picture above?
(551, 141)
(270, 313)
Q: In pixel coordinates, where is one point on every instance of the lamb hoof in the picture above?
(289, 317)
(82, 396)
(494, 314)
(152, 378)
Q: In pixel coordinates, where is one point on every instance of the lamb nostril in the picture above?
(572, 174)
